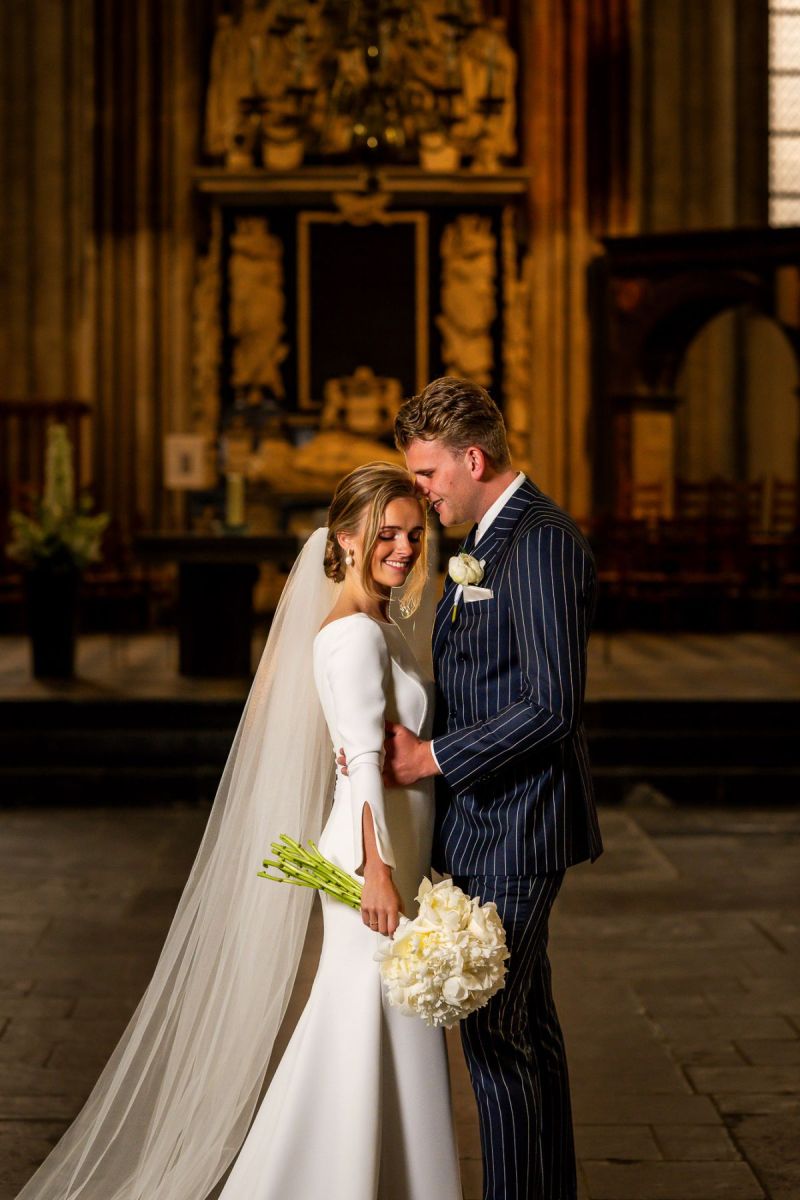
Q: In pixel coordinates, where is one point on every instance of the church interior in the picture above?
(236, 235)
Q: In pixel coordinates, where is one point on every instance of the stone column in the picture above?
(574, 117)
(47, 266)
(100, 117)
(700, 162)
(149, 109)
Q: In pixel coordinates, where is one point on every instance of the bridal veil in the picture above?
(174, 1102)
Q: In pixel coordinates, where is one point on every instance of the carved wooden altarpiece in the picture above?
(331, 277)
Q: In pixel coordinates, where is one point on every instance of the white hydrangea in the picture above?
(449, 960)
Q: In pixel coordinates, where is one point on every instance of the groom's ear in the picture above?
(476, 461)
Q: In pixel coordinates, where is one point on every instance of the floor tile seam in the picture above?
(768, 936)
(748, 1062)
(730, 1126)
(658, 1142)
(681, 1068)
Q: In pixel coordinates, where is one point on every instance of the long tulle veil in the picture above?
(174, 1102)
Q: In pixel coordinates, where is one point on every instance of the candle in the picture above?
(234, 499)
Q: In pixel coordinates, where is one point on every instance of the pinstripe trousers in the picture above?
(515, 1053)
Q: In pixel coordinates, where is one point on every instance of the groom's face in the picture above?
(445, 478)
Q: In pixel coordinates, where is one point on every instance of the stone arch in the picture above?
(650, 298)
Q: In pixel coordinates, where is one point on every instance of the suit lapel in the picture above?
(444, 607)
(491, 544)
(487, 548)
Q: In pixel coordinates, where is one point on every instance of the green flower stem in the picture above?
(305, 866)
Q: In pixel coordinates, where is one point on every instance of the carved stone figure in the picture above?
(257, 307)
(489, 70)
(246, 61)
(357, 410)
(333, 453)
(363, 403)
(468, 253)
(229, 60)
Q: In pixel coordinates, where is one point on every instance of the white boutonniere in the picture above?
(464, 570)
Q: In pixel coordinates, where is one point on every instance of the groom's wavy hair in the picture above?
(358, 506)
(458, 413)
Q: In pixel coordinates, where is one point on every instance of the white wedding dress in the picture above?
(359, 1107)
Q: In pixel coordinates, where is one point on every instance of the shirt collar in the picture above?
(499, 504)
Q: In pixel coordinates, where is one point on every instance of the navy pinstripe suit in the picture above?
(515, 807)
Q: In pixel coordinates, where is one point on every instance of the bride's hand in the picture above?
(381, 904)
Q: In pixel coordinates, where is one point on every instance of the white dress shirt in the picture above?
(484, 523)
(499, 504)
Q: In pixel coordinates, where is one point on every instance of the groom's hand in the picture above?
(408, 758)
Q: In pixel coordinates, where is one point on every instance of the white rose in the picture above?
(465, 569)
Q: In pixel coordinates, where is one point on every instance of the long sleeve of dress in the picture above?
(358, 673)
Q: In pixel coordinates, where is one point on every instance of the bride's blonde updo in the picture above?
(359, 503)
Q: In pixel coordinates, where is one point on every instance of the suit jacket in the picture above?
(515, 796)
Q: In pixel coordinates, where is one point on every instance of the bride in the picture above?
(359, 1106)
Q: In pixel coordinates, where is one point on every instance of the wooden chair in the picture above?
(646, 501)
(692, 500)
(784, 507)
(737, 501)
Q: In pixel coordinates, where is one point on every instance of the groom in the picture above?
(515, 806)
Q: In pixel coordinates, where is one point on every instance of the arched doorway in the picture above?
(714, 315)
(737, 414)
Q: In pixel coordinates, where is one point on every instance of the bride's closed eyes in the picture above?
(388, 533)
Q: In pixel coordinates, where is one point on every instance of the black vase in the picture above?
(52, 605)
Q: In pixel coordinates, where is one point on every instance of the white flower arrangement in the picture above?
(448, 961)
(441, 966)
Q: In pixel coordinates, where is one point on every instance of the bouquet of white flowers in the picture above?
(440, 966)
(449, 960)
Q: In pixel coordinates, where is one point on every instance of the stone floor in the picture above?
(675, 959)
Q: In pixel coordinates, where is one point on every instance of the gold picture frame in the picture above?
(305, 220)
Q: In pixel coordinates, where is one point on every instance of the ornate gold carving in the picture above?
(301, 86)
(369, 209)
(468, 300)
(364, 403)
(257, 307)
(227, 83)
(358, 411)
(207, 334)
(516, 342)
(488, 71)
